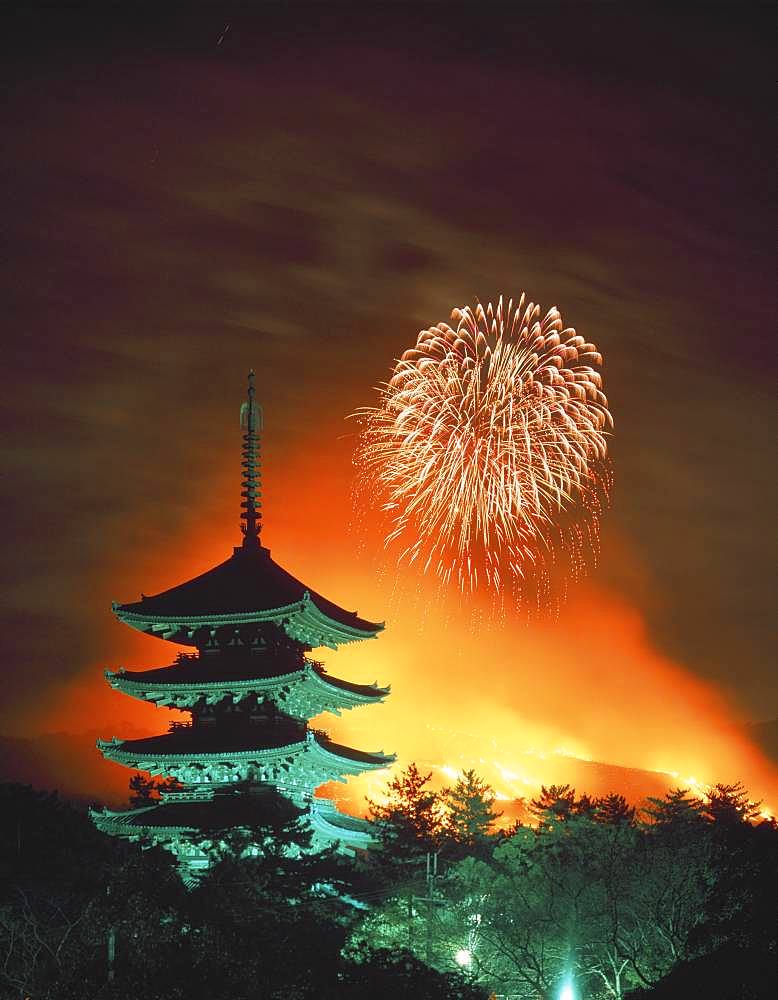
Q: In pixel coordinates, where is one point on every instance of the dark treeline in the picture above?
(678, 899)
(264, 927)
(674, 900)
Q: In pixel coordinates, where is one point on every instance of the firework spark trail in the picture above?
(488, 449)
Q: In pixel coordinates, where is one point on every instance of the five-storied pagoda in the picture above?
(250, 691)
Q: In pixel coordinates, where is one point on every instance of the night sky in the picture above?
(301, 189)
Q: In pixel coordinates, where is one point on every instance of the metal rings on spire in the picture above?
(251, 422)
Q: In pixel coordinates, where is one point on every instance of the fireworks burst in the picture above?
(488, 448)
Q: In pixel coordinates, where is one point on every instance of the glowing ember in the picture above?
(488, 448)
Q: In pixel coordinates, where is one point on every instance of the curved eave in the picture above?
(124, 824)
(303, 621)
(122, 752)
(366, 761)
(301, 689)
(118, 823)
(323, 819)
(346, 762)
(347, 694)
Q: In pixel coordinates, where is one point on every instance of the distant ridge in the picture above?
(70, 763)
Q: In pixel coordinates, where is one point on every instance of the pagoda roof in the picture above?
(248, 587)
(301, 693)
(379, 759)
(326, 811)
(199, 671)
(217, 739)
(211, 744)
(263, 805)
(233, 810)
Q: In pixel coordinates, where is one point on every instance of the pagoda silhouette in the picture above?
(247, 757)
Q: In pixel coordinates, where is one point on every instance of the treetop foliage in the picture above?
(262, 926)
(411, 814)
(416, 819)
(594, 888)
(446, 907)
(469, 814)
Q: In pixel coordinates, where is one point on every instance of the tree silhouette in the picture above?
(411, 818)
(613, 808)
(678, 810)
(730, 805)
(554, 804)
(470, 815)
(142, 790)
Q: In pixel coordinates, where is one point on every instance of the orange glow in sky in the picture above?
(524, 704)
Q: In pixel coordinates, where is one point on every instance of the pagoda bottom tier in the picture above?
(193, 825)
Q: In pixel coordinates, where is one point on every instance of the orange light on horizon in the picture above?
(518, 701)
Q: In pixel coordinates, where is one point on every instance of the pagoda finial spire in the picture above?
(251, 422)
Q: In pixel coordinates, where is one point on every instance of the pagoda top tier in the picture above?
(249, 588)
